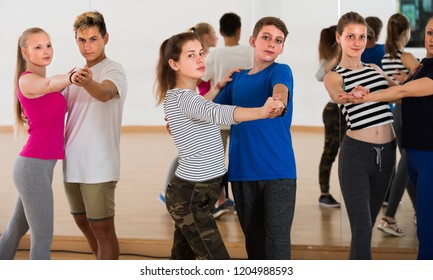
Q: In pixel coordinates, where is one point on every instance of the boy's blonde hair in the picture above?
(90, 19)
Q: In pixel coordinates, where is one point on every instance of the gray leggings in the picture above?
(364, 171)
(33, 209)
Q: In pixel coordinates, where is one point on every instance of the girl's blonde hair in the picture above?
(170, 49)
(20, 68)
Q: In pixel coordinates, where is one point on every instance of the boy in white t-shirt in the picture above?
(218, 63)
(92, 156)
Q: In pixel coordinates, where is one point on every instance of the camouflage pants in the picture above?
(191, 205)
(335, 129)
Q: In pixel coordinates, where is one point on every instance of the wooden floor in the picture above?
(145, 229)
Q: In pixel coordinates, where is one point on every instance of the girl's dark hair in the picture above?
(328, 47)
(397, 25)
(170, 49)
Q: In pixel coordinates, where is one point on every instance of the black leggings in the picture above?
(364, 171)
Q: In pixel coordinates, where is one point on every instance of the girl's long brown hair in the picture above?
(170, 49)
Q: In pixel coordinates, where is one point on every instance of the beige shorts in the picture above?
(94, 200)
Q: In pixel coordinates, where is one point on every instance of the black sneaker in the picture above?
(328, 201)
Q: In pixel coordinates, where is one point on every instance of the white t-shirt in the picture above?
(93, 128)
(221, 60)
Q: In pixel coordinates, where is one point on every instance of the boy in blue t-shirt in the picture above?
(262, 168)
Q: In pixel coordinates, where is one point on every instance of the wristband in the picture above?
(70, 76)
(218, 86)
(283, 113)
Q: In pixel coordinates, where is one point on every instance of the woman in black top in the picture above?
(417, 137)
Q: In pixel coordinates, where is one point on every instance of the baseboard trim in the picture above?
(160, 249)
(159, 129)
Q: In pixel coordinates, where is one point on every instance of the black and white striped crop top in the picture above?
(391, 65)
(360, 116)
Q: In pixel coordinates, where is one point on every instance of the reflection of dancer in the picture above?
(397, 64)
(373, 52)
(334, 123)
(367, 153)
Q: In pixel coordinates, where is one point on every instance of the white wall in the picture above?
(137, 29)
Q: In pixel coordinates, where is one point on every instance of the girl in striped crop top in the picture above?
(367, 153)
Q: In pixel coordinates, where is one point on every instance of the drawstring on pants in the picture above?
(378, 156)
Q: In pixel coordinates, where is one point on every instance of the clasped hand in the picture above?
(355, 95)
(273, 108)
(82, 76)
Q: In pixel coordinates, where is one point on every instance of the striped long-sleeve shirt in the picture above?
(195, 127)
(359, 116)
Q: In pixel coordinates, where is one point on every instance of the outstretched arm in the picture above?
(334, 85)
(416, 88)
(33, 85)
(270, 109)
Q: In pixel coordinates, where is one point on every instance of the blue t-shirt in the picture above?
(261, 149)
(374, 55)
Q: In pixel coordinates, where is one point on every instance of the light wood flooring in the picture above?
(145, 229)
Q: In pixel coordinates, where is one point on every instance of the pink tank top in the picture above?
(46, 118)
(203, 87)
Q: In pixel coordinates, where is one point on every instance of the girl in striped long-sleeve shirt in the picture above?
(194, 125)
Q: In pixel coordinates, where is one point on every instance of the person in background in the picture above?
(38, 103)
(263, 180)
(92, 162)
(219, 62)
(398, 64)
(192, 193)
(334, 123)
(367, 153)
(209, 40)
(373, 52)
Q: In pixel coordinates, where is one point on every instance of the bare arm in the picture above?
(416, 88)
(325, 67)
(33, 85)
(410, 62)
(334, 85)
(104, 91)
